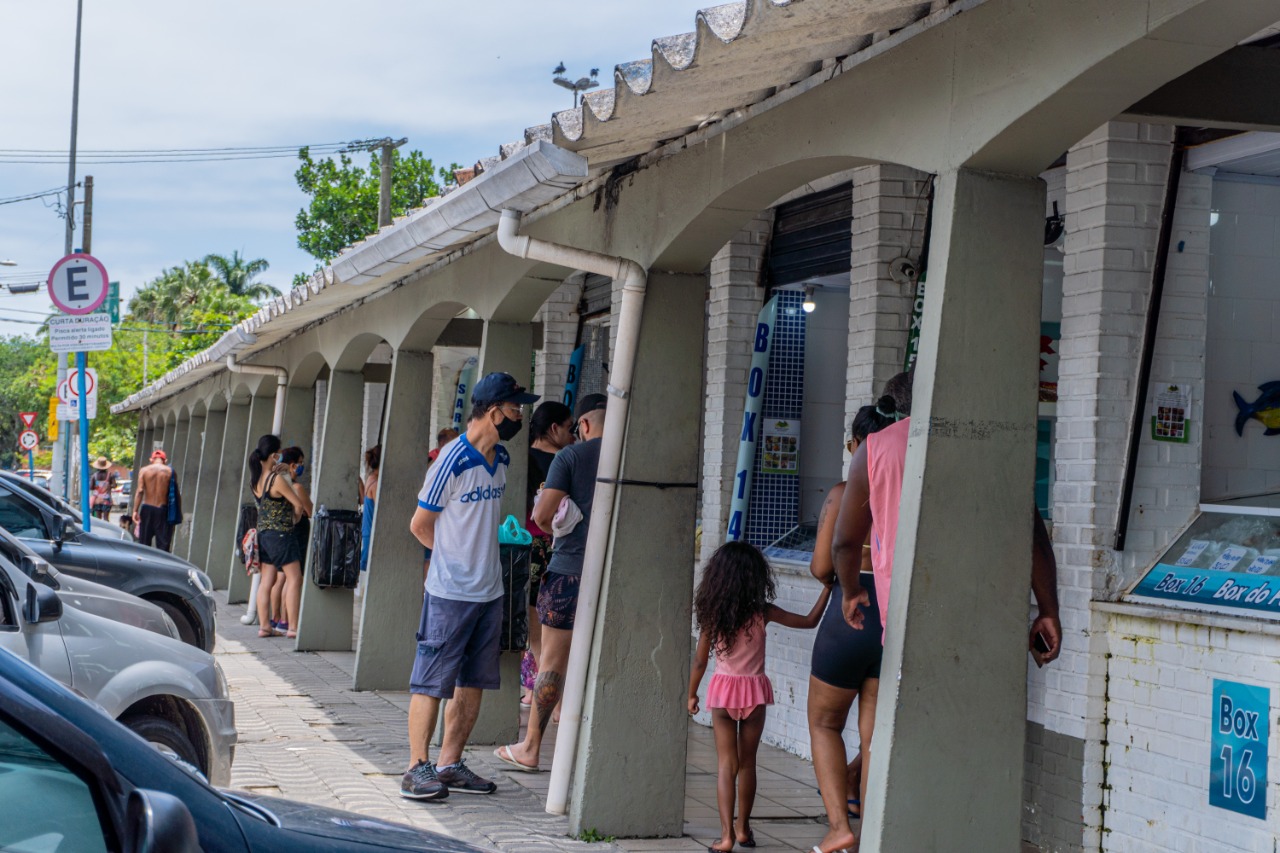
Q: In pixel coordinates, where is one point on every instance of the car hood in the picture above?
(107, 530)
(143, 553)
(112, 604)
(359, 831)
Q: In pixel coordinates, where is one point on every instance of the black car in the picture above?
(73, 779)
(176, 586)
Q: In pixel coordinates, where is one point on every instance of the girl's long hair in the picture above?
(545, 417)
(267, 445)
(737, 585)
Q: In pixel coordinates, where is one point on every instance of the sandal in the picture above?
(855, 808)
(291, 635)
(751, 839)
(264, 633)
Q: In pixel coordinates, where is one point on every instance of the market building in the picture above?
(1066, 215)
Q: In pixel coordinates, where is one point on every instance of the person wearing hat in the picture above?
(459, 510)
(101, 482)
(157, 486)
(568, 492)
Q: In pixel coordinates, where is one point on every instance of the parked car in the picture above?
(122, 494)
(41, 493)
(173, 696)
(86, 595)
(40, 476)
(171, 583)
(70, 777)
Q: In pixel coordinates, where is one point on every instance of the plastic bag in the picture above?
(335, 548)
(512, 533)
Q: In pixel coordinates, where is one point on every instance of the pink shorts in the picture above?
(740, 713)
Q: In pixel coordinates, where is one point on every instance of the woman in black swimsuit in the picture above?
(278, 547)
(846, 665)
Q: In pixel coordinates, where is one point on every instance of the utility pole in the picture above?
(82, 369)
(387, 145)
(60, 468)
(88, 214)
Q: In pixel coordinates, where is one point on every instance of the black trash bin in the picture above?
(515, 597)
(335, 548)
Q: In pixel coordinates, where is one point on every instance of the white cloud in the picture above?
(457, 79)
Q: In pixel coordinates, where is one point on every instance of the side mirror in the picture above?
(64, 528)
(158, 822)
(35, 568)
(43, 605)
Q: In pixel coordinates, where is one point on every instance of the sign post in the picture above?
(78, 285)
(28, 423)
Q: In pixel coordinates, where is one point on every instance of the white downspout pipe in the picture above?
(634, 280)
(277, 424)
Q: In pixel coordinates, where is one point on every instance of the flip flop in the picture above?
(751, 839)
(854, 803)
(510, 760)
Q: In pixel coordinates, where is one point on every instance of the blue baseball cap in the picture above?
(501, 388)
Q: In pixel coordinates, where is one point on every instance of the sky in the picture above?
(457, 80)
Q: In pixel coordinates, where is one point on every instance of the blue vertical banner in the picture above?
(1238, 757)
(748, 436)
(571, 378)
(466, 378)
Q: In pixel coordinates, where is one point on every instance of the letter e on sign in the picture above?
(78, 284)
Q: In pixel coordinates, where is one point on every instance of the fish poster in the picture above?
(1171, 419)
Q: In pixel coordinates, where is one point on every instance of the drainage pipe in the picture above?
(277, 424)
(634, 280)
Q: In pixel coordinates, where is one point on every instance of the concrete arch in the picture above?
(239, 391)
(307, 370)
(355, 351)
(200, 408)
(430, 324)
(217, 401)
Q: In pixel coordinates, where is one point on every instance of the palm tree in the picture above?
(238, 275)
(178, 293)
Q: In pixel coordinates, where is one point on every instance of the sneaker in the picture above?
(420, 783)
(460, 778)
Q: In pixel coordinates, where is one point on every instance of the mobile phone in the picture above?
(1040, 643)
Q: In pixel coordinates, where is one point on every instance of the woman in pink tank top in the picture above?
(733, 605)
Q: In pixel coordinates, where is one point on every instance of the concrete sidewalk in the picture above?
(306, 735)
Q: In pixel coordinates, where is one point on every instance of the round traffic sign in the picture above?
(90, 381)
(78, 284)
(28, 440)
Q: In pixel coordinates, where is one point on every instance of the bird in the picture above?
(559, 69)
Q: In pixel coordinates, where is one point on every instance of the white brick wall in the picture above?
(1158, 728)
(735, 298)
(559, 318)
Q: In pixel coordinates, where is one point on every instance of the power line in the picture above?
(125, 156)
(33, 196)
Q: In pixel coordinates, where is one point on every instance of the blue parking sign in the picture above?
(1238, 759)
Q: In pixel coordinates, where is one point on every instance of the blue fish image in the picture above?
(1265, 409)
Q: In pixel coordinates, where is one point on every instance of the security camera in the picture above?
(903, 270)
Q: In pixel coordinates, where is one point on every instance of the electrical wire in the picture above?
(33, 196)
(125, 156)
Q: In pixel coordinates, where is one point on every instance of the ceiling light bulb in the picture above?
(809, 304)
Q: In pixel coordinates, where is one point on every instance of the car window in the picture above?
(21, 518)
(43, 805)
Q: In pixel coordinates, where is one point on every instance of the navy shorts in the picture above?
(279, 549)
(558, 600)
(843, 657)
(457, 646)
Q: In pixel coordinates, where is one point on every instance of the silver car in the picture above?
(173, 695)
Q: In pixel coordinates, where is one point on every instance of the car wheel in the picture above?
(188, 630)
(166, 737)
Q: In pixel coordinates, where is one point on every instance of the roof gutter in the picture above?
(634, 280)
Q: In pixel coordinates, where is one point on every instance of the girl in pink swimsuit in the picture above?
(733, 605)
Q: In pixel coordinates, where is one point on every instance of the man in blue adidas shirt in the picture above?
(459, 509)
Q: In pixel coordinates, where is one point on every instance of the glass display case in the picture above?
(1227, 561)
(796, 546)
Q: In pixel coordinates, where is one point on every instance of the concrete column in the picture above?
(298, 428)
(141, 447)
(507, 347)
(166, 437)
(188, 468)
(733, 305)
(559, 316)
(219, 560)
(955, 662)
(890, 206)
(261, 413)
(325, 621)
(633, 735)
(200, 502)
(393, 585)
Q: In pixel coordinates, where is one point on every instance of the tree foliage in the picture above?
(238, 275)
(344, 197)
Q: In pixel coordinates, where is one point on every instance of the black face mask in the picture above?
(508, 428)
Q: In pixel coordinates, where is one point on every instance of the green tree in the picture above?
(238, 275)
(28, 376)
(344, 197)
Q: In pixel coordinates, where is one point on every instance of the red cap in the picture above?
(159, 453)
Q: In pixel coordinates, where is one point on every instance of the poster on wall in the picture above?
(781, 447)
(1172, 415)
(1238, 748)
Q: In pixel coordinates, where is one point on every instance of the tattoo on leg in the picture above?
(546, 693)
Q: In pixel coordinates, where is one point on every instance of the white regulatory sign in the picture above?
(28, 440)
(69, 398)
(78, 284)
(80, 332)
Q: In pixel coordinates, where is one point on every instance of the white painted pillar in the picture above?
(392, 599)
(261, 414)
(200, 502)
(232, 458)
(634, 720)
(733, 305)
(559, 317)
(952, 711)
(326, 617)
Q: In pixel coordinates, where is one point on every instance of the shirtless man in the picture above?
(151, 503)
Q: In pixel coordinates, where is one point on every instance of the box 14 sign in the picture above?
(1238, 759)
